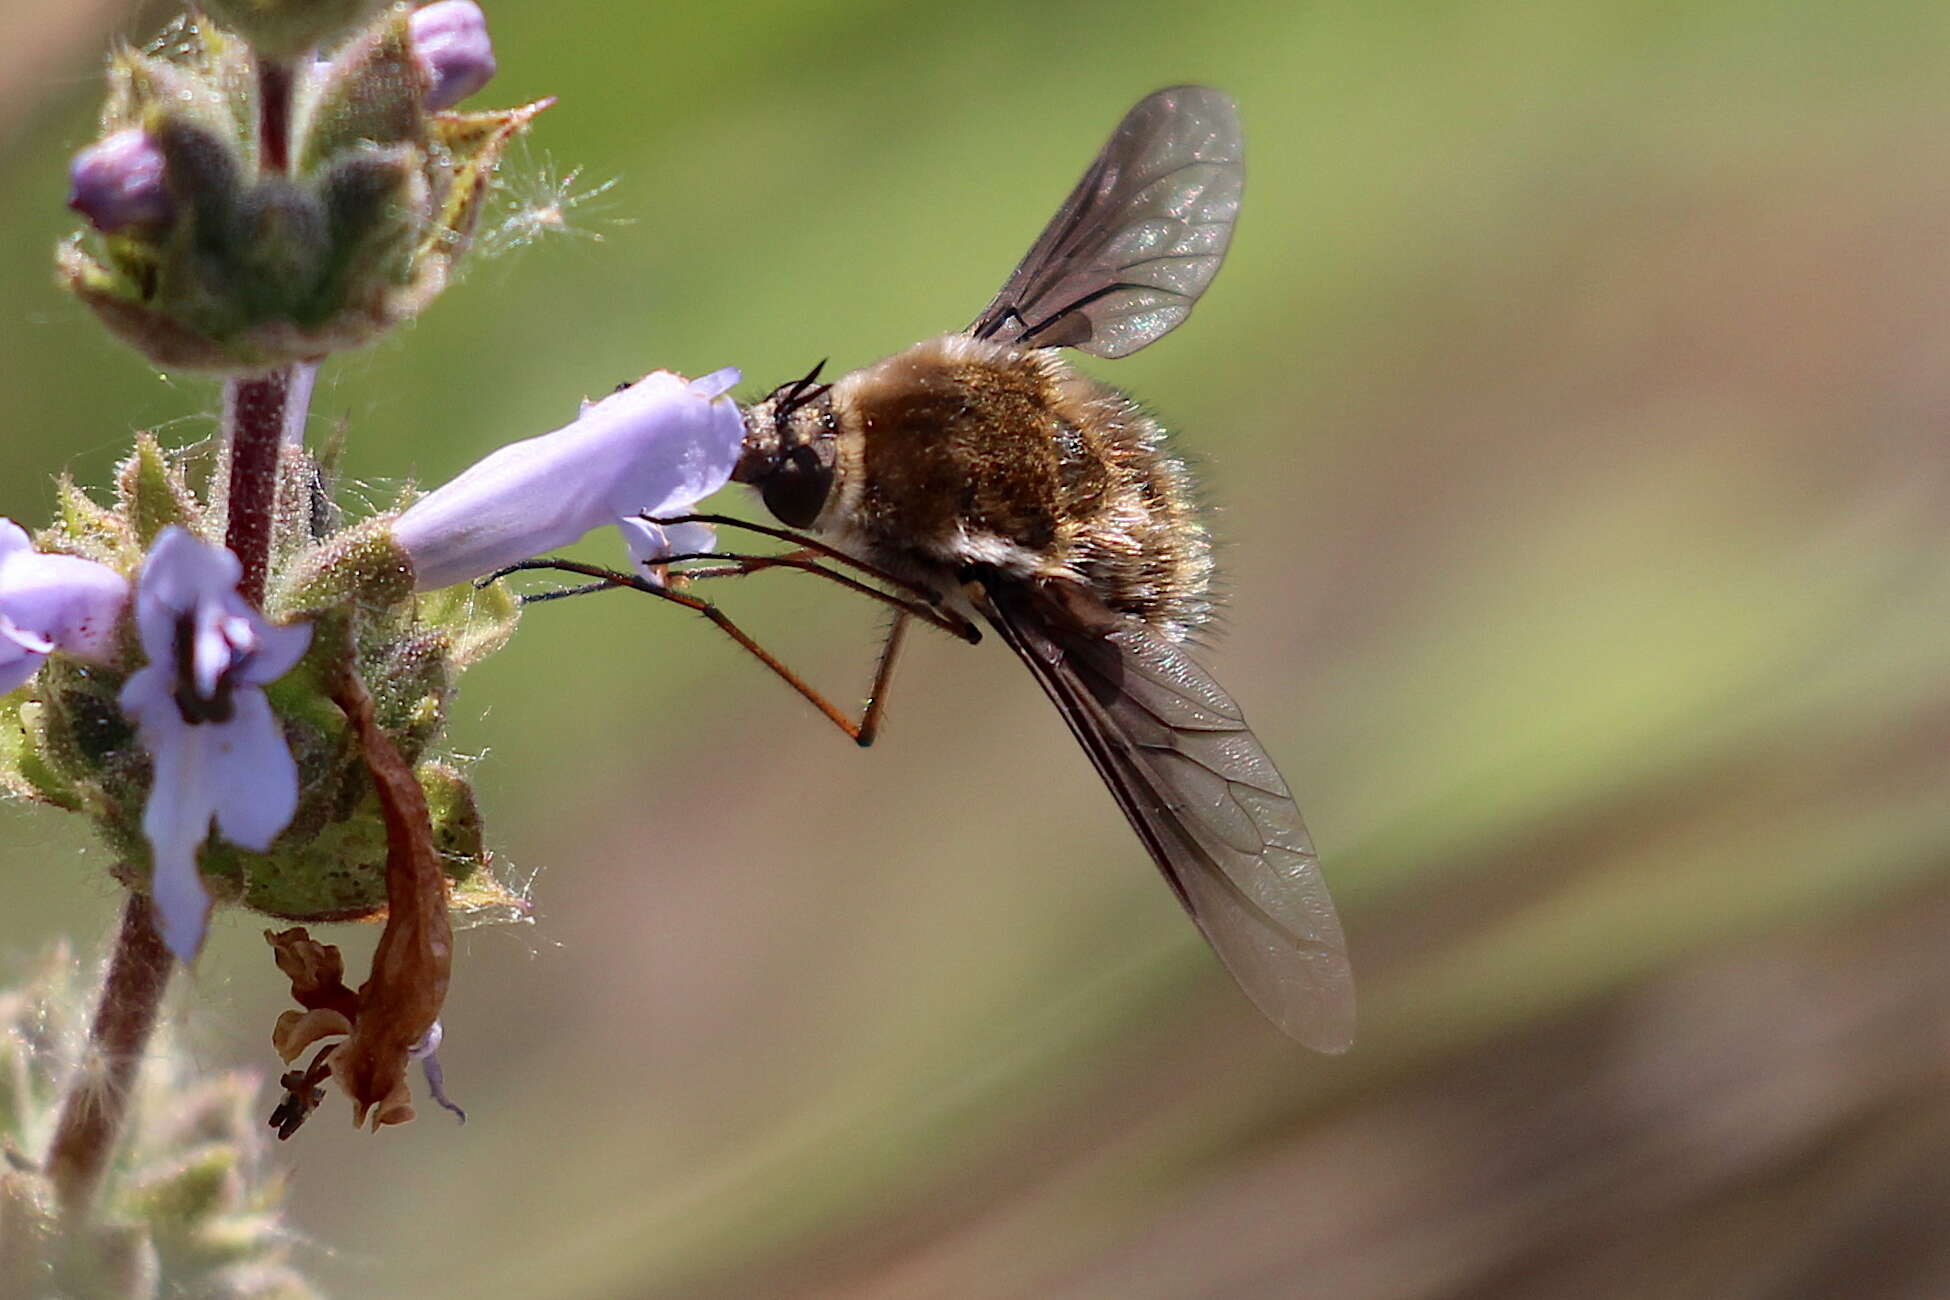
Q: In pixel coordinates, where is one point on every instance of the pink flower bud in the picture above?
(450, 39)
(117, 182)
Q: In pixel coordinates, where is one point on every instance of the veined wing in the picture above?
(1201, 793)
(1140, 237)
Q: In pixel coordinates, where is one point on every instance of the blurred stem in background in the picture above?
(99, 1096)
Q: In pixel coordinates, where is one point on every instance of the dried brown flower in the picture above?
(393, 1013)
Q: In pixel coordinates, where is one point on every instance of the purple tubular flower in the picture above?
(657, 447)
(53, 602)
(219, 752)
(117, 182)
(450, 39)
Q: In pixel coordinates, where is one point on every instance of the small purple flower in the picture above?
(117, 182)
(450, 39)
(200, 711)
(53, 602)
(656, 447)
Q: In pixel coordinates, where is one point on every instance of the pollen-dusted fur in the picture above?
(960, 451)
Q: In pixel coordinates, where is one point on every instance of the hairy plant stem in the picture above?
(254, 410)
(98, 1095)
(273, 115)
(257, 408)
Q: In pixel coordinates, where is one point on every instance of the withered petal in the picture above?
(396, 1107)
(316, 970)
(401, 999)
(297, 1030)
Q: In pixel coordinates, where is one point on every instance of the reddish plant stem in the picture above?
(98, 1097)
(254, 420)
(273, 115)
(256, 414)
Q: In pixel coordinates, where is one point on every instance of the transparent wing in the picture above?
(1202, 795)
(1140, 237)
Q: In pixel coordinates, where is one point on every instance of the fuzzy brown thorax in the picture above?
(960, 452)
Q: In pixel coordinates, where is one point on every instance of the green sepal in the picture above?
(285, 29)
(372, 94)
(363, 565)
(411, 675)
(477, 621)
(468, 149)
(85, 748)
(374, 201)
(190, 1189)
(23, 771)
(477, 889)
(144, 85)
(279, 253)
(230, 68)
(152, 494)
(82, 526)
(193, 274)
(338, 872)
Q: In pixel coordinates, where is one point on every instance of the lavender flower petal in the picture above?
(13, 539)
(219, 753)
(21, 655)
(718, 382)
(427, 1053)
(176, 821)
(53, 602)
(651, 544)
(250, 762)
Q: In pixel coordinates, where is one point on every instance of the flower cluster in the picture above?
(243, 690)
(260, 201)
(188, 710)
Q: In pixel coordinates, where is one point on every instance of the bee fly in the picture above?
(979, 475)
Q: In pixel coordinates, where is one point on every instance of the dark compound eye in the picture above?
(796, 491)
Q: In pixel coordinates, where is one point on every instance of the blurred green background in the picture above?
(1575, 397)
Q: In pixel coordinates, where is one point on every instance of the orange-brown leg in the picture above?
(805, 543)
(862, 732)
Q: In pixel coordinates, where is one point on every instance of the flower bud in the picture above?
(450, 42)
(656, 447)
(117, 182)
(360, 231)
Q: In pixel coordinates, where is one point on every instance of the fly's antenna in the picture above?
(796, 394)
